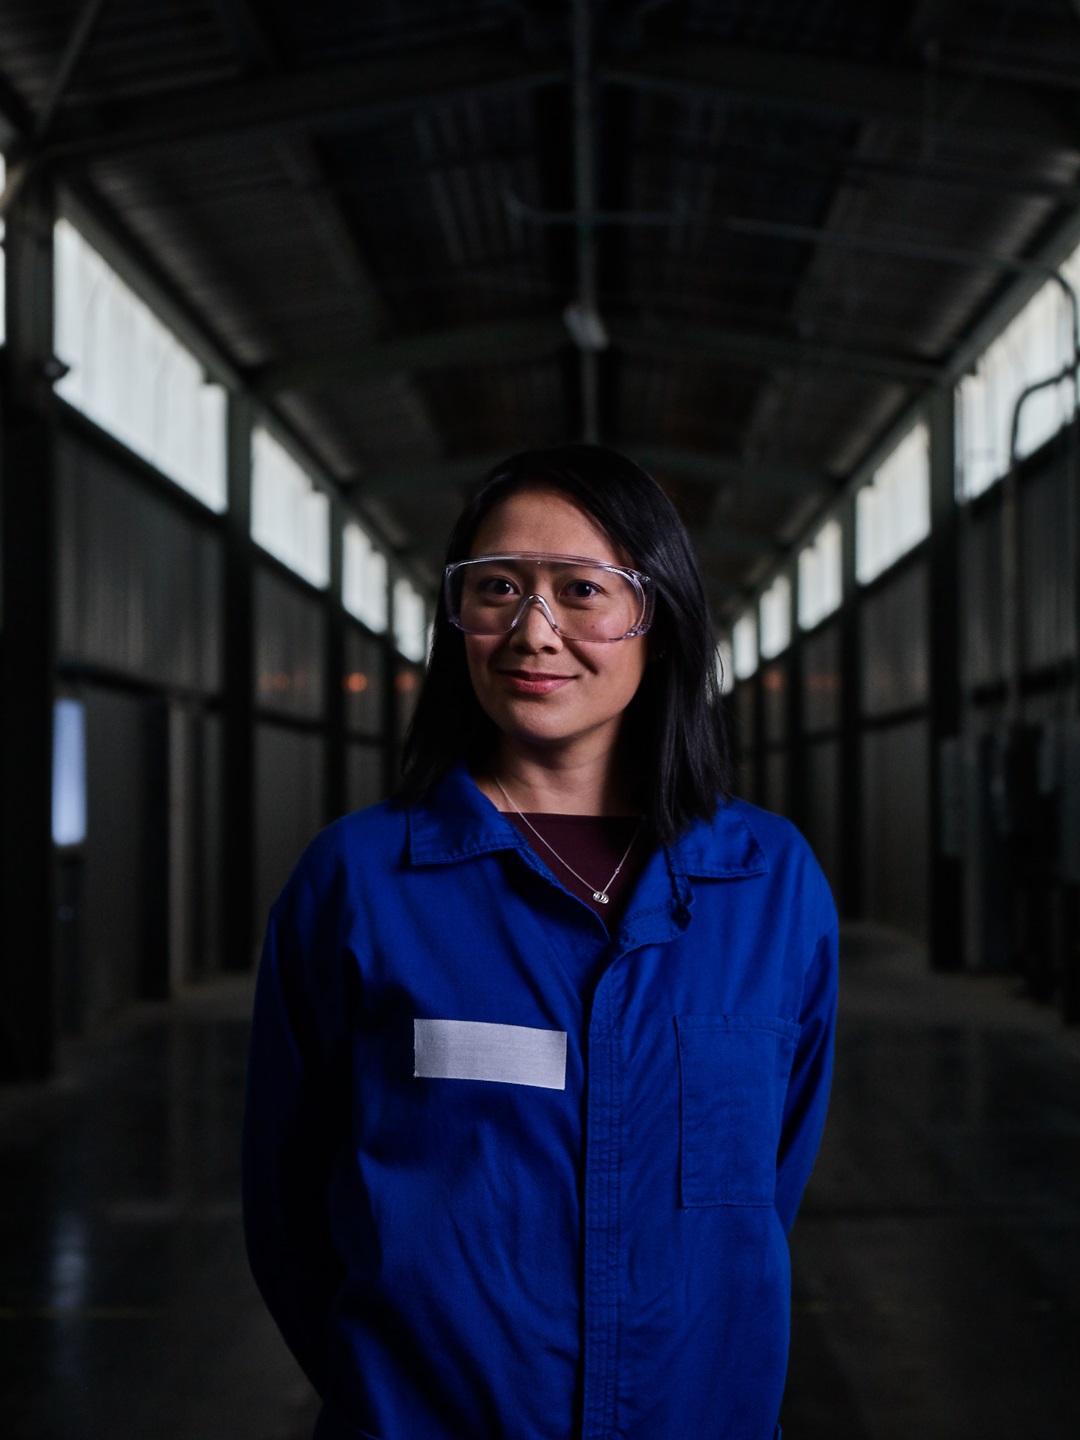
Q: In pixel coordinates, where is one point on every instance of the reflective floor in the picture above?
(126, 1308)
(936, 1259)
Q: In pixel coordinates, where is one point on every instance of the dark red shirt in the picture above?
(593, 845)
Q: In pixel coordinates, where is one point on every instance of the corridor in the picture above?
(936, 1258)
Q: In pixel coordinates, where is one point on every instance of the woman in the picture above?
(542, 1045)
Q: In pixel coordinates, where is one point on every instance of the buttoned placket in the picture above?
(647, 925)
(655, 923)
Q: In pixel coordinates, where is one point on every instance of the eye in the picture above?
(583, 592)
(495, 587)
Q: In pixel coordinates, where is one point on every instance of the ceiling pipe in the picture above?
(1012, 587)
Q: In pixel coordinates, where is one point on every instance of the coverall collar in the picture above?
(460, 823)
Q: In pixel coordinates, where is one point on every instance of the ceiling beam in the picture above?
(1015, 114)
(715, 342)
(257, 52)
(335, 97)
(703, 468)
(1007, 112)
(507, 341)
(696, 466)
(16, 119)
(466, 470)
(495, 344)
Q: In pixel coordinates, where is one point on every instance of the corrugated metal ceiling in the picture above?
(359, 204)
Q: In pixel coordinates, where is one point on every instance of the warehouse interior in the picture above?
(281, 283)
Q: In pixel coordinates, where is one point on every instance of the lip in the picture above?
(532, 682)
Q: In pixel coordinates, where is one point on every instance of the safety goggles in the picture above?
(581, 599)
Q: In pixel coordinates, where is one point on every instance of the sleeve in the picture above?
(295, 1117)
(811, 1072)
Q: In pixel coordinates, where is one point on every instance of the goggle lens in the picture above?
(581, 599)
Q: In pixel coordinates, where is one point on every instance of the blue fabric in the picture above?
(463, 1259)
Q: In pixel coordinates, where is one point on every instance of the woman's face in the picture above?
(539, 688)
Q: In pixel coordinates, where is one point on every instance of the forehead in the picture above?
(543, 520)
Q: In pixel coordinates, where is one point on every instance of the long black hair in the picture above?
(675, 733)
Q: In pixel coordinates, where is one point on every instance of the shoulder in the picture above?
(777, 835)
(742, 839)
(359, 831)
(350, 850)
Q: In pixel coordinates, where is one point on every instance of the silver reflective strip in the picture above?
(475, 1050)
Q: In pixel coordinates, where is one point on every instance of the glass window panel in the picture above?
(407, 683)
(725, 666)
(364, 578)
(1033, 346)
(820, 575)
(69, 773)
(290, 518)
(130, 374)
(776, 617)
(362, 682)
(892, 512)
(744, 646)
(410, 620)
(363, 775)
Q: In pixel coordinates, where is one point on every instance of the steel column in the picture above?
(27, 645)
(333, 678)
(850, 898)
(238, 889)
(946, 778)
(794, 719)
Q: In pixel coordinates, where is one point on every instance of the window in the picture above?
(725, 666)
(744, 646)
(776, 618)
(69, 773)
(892, 512)
(289, 517)
(820, 572)
(1033, 346)
(410, 621)
(131, 375)
(364, 578)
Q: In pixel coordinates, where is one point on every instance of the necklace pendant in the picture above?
(600, 896)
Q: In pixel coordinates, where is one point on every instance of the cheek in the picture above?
(478, 650)
(632, 672)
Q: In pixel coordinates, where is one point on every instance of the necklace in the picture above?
(601, 896)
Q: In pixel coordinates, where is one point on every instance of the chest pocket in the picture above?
(733, 1074)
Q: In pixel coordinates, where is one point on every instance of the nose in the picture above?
(534, 625)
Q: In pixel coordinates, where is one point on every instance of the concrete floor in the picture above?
(936, 1259)
(126, 1307)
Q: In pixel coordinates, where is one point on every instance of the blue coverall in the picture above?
(508, 1176)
